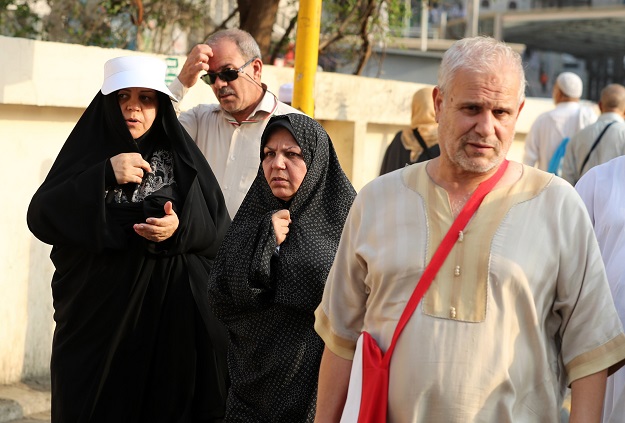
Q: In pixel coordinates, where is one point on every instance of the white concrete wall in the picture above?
(44, 87)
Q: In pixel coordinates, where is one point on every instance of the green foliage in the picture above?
(145, 25)
(397, 13)
(89, 22)
(349, 27)
(17, 19)
(162, 16)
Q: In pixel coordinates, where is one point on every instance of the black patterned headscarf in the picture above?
(267, 300)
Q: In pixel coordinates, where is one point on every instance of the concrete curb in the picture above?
(21, 399)
(9, 410)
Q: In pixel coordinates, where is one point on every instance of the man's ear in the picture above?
(257, 65)
(437, 98)
(520, 108)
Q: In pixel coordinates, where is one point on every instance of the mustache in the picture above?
(491, 141)
(226, 91)
(474, 139)
(486, 142)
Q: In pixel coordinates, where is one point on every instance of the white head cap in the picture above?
(285, 94)
(570, 84)
(135, 71)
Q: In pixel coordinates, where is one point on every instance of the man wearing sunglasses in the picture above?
(228, 133)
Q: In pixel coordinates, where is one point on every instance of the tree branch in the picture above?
(225, 22)
(340, 31)
(283, 40)
(365, 49)
(139, 18)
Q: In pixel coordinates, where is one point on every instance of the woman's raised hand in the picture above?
(281, 221)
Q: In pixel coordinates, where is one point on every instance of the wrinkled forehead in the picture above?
(226, 54)
(484, 84)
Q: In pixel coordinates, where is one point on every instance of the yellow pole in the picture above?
(306, 55)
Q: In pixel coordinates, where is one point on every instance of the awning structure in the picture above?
(594, 34)
(586, 33)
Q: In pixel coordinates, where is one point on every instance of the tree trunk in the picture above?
(365, 49)
(258, 18)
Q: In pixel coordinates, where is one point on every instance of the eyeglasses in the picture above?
(225, 75)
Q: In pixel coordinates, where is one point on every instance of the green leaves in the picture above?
(17, 19)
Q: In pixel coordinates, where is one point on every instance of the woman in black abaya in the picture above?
(271, 269)
(135, 217)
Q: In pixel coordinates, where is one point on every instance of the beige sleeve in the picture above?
(179, 91)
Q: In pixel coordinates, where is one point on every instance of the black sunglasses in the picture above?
(225, 75)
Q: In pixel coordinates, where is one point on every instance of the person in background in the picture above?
(520, 307)
(228, 133)
(285, 93)
(553, 127)
(406, 147)
(543, 78)
(602, 191)
(601, 141)
(270, 271)
(135, 217)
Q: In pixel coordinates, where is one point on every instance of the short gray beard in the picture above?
(465, 163)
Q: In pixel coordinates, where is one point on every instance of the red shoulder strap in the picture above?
(443, 250)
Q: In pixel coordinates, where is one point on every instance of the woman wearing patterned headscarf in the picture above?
(135, 217)
(270, 272)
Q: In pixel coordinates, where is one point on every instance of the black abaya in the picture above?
(135, 339)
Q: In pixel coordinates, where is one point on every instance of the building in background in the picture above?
(581, 36)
